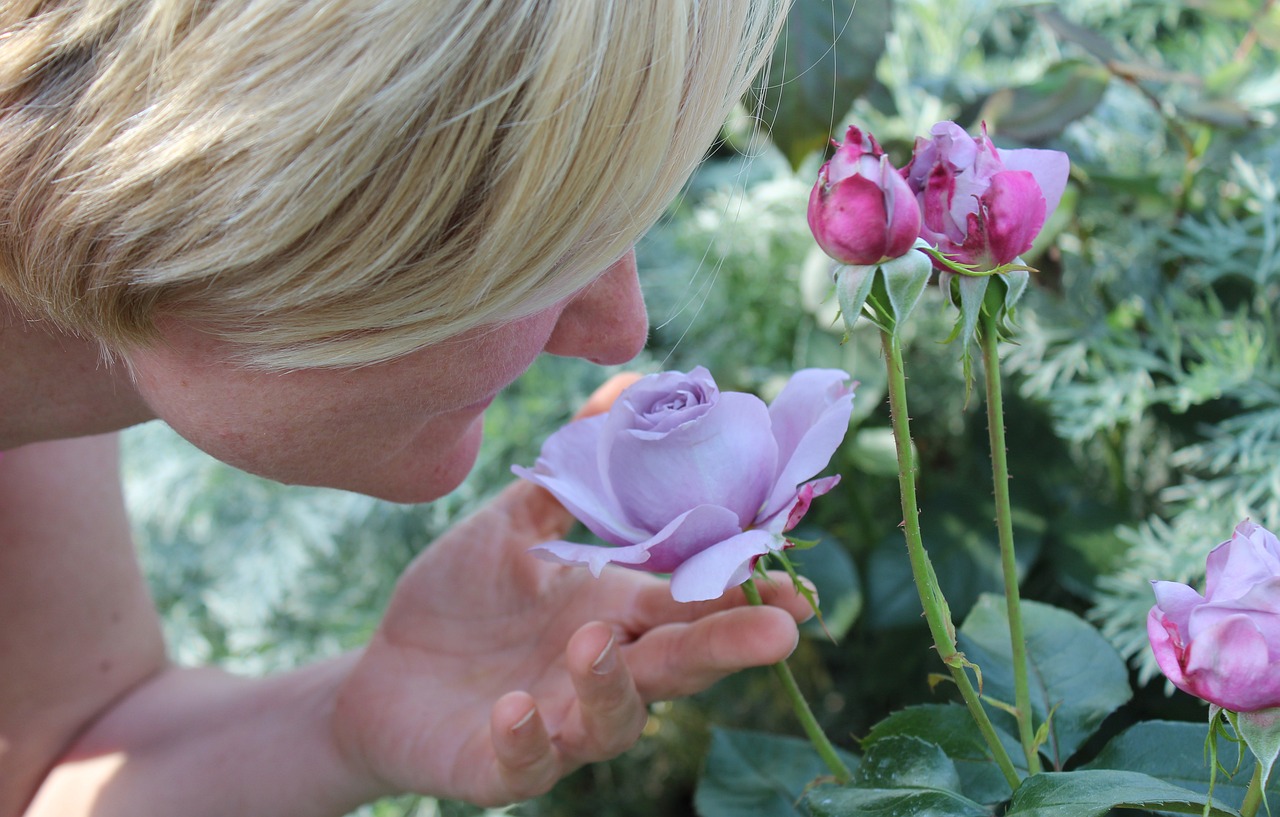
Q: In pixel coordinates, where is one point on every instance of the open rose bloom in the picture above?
(1224, 646)
(681, 478)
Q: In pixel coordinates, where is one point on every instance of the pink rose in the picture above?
(861, 211)
(1224, 646)
(983, 207)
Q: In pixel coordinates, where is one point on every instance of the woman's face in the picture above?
(407, 430)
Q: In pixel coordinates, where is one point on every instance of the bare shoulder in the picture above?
(77, 629)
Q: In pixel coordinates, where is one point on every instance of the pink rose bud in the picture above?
(983, 207)
(1224, 646)
(861, 211)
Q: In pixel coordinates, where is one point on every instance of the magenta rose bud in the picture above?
(983, 207)
(1224, 646)
(861, 211)
(681, 478)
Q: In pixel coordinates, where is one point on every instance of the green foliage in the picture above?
(952, 729)
(1095, 792)
(758, 774)
(1077, 679)
(1173, 751)
(895, 802)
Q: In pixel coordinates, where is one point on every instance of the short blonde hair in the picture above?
(339, 182)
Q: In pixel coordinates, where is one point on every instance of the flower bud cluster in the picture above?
(960, 206)
(978, 206)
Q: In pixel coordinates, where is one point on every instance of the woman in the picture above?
(317, 238)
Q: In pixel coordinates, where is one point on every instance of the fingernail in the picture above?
(606, 660)
(523, 722)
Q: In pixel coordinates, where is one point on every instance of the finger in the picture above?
(681, 659)
(602, 398)
(528, 763)
(654, 605)
(613, 714)
(532, 512)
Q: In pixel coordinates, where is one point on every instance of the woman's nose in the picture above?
(605, 323)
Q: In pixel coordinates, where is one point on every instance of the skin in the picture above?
(487, 696)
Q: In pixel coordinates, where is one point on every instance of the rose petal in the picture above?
(805, 495)
(1014, 210)
(1051, 168)
(809, 419)
(936, 198)
(1167, 644)
(973, 178)
(903, 212)
(659, 403)
(954, 143)
(1266, 541)
(1176, 601)
(1229, 665)
(849, 220)
(727, 459)
(1264, 598)
(728, 564)
(686, 535)
(1239, 563)
(569, 469)
(1261, 605)
(858, 152)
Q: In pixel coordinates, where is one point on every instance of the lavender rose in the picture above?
(1224, 646)
(682, 478)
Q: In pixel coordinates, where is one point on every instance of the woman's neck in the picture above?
(56, 386)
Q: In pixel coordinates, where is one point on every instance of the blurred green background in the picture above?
(1143, 387)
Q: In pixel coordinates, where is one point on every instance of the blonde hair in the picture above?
(340, 182)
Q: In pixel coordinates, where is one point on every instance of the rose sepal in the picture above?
(993, 293)
(885, 293)
(1260, 730)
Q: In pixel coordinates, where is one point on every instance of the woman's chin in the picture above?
(422, 477)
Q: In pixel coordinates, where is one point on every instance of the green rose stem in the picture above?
(935, 607)
(811, 728)
(1253, 794)
(989, 339)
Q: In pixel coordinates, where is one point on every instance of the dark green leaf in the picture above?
(758, 774)
(1035, 113)
(825, 58)
(1093, 793)
(1074, 671)
(906, 762)
(950, 727)
(1174, 752)
(848, 802)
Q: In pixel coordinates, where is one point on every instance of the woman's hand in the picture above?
(494, 673)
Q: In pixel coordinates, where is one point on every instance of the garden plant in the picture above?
(1052, 275)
